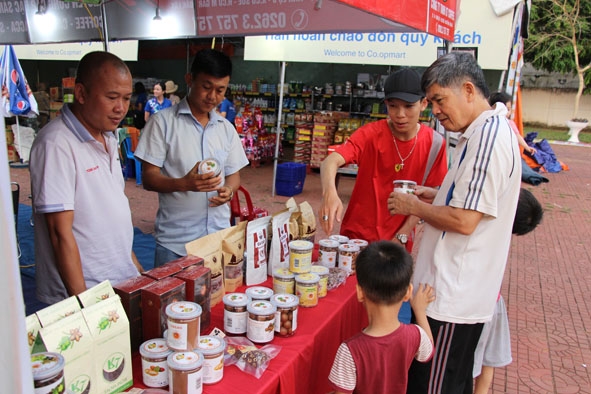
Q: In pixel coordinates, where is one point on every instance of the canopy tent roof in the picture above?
(62, 21)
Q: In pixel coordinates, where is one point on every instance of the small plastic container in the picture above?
(212, 348)
(183, 322)
(404, 186)
(210, 165)
(328, 250)
(259, 293)
(322, 273)
(261, 321)
(185, 372)
(347, 257)
(235, 313)
(307, 289)
(48, 373)
(286, 317)
(154, 368)
(283, 281)
(300, 256)
(359, 242)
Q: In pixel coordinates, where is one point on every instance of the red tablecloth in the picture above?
(305, 359)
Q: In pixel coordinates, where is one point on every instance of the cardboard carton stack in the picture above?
(91, 332)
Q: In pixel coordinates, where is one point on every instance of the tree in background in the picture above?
(560, 40)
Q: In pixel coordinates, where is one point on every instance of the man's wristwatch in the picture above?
(403, 238)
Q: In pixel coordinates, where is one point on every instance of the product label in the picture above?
(308, 294)
(260, 331)
(327, 258)
(322, 287)
(283, 286)
(213, 369)
(300, 262)
(345, 262)
(177, 335)
(195, 382)
(235, 322)
(155, 373)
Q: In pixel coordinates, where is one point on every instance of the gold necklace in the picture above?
(398, 167)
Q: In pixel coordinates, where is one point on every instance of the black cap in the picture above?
(404, 84)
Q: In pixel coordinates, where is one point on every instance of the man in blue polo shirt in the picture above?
(83, 228)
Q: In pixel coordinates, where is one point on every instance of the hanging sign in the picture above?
(436, 17)
(13, 23)
(478, 29)
(252, 17)
(74, 51)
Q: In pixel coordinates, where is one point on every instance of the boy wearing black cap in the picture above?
(396, 148)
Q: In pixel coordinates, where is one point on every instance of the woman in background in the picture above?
(158, 102)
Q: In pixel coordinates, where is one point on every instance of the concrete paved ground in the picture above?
(547, 279)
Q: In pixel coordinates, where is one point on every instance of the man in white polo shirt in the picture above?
(467, 235)
(83, 228)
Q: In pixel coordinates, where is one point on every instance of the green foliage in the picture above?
(560, 33)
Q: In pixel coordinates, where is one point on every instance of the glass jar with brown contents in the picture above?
(286, 317)
(154, 369)
(212, 348)
(185, 372)
(261, 321)
(235, 313)
(183, 321)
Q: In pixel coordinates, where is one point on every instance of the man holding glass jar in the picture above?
(396, 148)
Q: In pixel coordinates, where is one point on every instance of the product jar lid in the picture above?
(185, 361)
(405, 183)
(183, 310)
(209, 344)
(308, 278)
(259, 292)
(329, 243)
(301, 245)
(46, 365)
(236, 299)
(319, 270)
(359, 242)
(210, 165)
(261, 308)
(341, 239)
(285, 300)
(155, 348)
(348, 248)
(153, 391)
(283, 273)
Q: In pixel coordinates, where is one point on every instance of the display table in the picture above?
(305, 359)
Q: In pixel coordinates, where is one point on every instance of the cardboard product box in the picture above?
(71, 338)
(12, 154)
(198, 289)
(54, 93)
(58, 311)
(109, 328)
(33, 326)
(130, 292)
(189, 261)
(96, 294)
(155, 299)
(164, 271)
(9, 137)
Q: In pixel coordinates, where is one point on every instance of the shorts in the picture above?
(494, 346)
